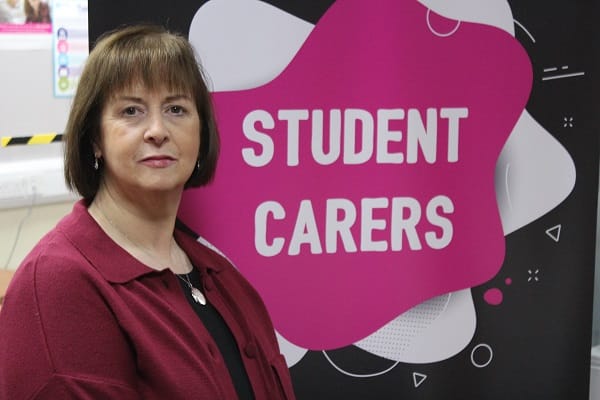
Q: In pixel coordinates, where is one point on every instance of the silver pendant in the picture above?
(198, 296)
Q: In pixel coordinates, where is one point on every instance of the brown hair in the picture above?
(145, 54)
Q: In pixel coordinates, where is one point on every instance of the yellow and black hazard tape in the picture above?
(41, 138)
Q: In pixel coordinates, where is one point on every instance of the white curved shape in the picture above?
(434, 330)
(244, 44)
(355, 375)
(530, 182)
(292, 353)
(520, 25)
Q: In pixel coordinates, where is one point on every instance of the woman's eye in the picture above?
(130, 111)
(176, 109)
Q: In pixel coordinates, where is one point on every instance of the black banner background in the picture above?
(542, 333)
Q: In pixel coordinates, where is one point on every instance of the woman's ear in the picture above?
(97, 151)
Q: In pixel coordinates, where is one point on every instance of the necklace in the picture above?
(196, 293)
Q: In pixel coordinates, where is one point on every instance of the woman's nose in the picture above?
(157, 130)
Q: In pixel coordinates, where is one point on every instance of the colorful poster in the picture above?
(410, 185)
(25, 24)
(70, 44)
(25, 16)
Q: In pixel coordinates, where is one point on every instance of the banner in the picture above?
(410, 185)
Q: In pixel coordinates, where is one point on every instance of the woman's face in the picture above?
(149, 140)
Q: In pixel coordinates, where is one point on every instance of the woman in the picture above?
(119, 301)
(37, 11)
(12, 12)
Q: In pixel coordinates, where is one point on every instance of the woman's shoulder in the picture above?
(52, 264)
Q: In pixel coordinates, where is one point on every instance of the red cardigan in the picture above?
(82, 319)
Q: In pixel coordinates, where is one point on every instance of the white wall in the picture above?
(27, 102)
(21, 229)
(27, 107)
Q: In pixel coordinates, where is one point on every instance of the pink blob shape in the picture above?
(508, 281)
(345, 278)
(493, 296)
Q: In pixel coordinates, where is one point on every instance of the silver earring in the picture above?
(96, 166)
(198, 165)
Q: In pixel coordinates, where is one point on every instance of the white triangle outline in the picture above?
(418, 378)
(554, 232)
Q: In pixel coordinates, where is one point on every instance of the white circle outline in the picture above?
(488, 361)
(385, 371)
(438, 33)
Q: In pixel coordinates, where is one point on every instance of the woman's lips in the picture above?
(158, 161)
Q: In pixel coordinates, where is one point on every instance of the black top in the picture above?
(222, 335)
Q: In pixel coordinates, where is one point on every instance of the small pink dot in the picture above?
(508, 281)
(493, 296)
